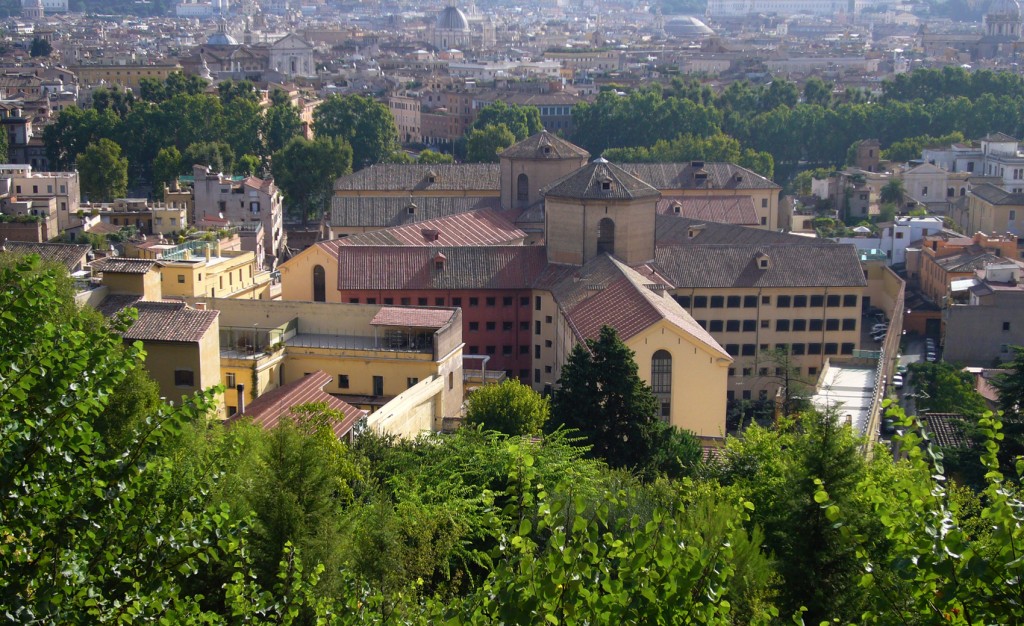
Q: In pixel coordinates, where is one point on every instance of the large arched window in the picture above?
(319, 284)
(523, 189)
(606, 236)
(661, 381)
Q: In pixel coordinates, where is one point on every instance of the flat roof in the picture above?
(849, 389)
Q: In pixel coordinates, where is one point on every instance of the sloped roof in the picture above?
(967, 261)
(67, 254)
(494, 267)
(416, 177)
(722, 209)
(481, 227)
(600, 180)
(170, 321)
(381, 212)
(544, 145)
(946, 430)
(670, 229)
(117, 265)
(412, 317)
(268, 410)
(606, 292)
(683, 176)
(998, 138)
(736, 265)
(995, 195)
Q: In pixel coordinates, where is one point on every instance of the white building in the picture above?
(897, 237)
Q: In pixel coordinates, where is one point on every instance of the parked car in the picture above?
(897, 381)
(878, 327)
(888, 426)
(878, 337)
(930, 356)
(901, 369)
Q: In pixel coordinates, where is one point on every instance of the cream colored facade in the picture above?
(995, 212)
(165, 359)
(123, 75)
(297, 274)
(23, 183)
(572, 229)
(231, 275)
(815, 323)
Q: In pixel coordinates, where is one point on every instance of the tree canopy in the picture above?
(104, 172)
(509, 407)
(367, 125)
(306, 170)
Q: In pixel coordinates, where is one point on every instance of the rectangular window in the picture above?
(800, 301)
(473, 301)
(847, 348)
(748, 371)
(474, 325)
(700, 302)
(717, 302)
(438, 301)
(1006, 325)
(850, 323)
(832, 324)
(378, 385)
(703, 324)
(506, 326)
(733, 302)
(684, 301)
(749, 326)
(812, 371)
(749, 302)
(184, 378)
(536, 375)
(342, 381)
(536, 327)
(456, 301)
(732, 326)
(831, 348)
(406, 301)
(491, 325)
(746, 394)
(850, 300)
(748, 349)
(409, 382)
(814, 348)
(817, 301)
(783, 302)
(797, 349)
(782, 325)
(491, 301)
(799, 325)
(762, 371)
(524, 301)
(816, 324)
(389, 300)
(506, 301)
(732, 371)
(230, 380)
(833, 300)
(524, 349)
(716, 326)
(421, 301)
(766, 323)
(536, 306)
(181, 279)
(525, 326)
(371, 301)
(766, 300)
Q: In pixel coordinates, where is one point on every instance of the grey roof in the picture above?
(451, 18)
(736, 265)
(686, 176)
(382, 212)
(946, 430)
(600, 180)
(117, 265)
(459, 177)
(994, 195)
(968, 261)
(67, 254)
(544, 145)
(1001, 137)
(672, 229)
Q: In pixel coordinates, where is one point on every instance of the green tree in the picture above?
(217, 155)
(816, 91)
(1010, 387)
(893, 192)
(365, 124)
(40, 48)
(167, 166)
(510, 407)
(483, 146)
(113, 98)
(601, 395)
(523, 121)
(429, 157)
(946, 389)
(103, 171)
(248, 165)
(281, 122)
(73, 131)
(306, 170)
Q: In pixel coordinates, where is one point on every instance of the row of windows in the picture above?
(456, 301)
(795, 349)
(747, 326)
(505, 326)
(750, 302)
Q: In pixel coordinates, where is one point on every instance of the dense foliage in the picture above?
(118, 508)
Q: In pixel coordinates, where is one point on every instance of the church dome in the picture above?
(687, 26)
(221, 37)
(451, 18)
(1004, 8)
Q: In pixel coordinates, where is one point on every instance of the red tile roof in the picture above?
(392, 267)
(269, 409)
(413, 317)
(170, 321)
(483, 227)
(724, 210)
(116, 265)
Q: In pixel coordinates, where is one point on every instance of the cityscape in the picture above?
(698, 311)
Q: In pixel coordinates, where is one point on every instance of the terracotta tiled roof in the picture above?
(381, 212)
(724, 210)
(117, 265)
(600, 180)
(414, 317)
(789, 265)
(112, 305)
(607, 292)
(684, 176)
(268, 410)
(494, 267)
(416, 177)
(170, 321)
(67, 254)
(544, 145)
(264, 185)
(476, 228)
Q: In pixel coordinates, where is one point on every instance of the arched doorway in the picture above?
(606, 236)
(661, 382)
(319, 284)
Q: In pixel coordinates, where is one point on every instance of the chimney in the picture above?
(240, 388)
(206, 250)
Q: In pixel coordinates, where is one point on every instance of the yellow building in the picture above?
(991, 209)
(125, 76)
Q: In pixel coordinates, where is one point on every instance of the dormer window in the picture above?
(411, 209)
(677, 209)
(547, 149)
(439, 260)
(606, 185)
(762, 261)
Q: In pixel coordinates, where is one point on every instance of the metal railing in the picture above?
(890, 349)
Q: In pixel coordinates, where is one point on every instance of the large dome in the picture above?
(452, 18)
(1004, 8)
(687, 26)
